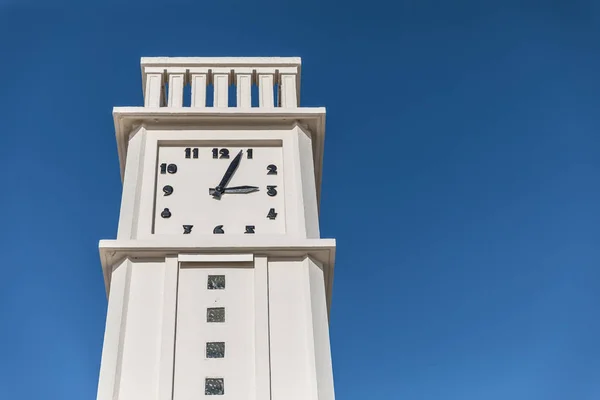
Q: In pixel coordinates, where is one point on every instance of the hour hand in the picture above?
(234, 189)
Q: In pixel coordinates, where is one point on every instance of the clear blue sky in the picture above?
(460, 180)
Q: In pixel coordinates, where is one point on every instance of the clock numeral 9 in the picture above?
(189, 152)
(224, 153)
(168, 190)
(171, 168)
(272, 214)
(271, 191)
(272, 168)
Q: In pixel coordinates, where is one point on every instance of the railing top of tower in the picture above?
(221, 62)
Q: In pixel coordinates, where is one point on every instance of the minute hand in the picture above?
(230, 170)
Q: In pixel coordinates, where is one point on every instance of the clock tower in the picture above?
(218, 282)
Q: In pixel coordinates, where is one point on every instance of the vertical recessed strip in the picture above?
(153, 93)
(176, 82)
(287, 91)
(244, 90)
(221, 84)
(198, 81)
(261, 335)
(167, 339)
(265, 90)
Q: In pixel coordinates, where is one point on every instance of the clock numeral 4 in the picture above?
(249, 229)
(170, 168)
(168, 190)
(272, 168)
(218, 230)
(271, 191)
(222, 153)
(272, 214)
(187, 229)
(189, 152)
(165, 213)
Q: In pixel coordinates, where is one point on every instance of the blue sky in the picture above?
(460, 180)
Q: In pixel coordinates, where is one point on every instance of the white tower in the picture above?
(218, 282)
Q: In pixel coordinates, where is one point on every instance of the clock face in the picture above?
(219, 190)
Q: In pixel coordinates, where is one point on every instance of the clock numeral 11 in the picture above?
(191, 152)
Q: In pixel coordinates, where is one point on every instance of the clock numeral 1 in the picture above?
(250, 153)
(272, 168)
(191, 152)
(271, 191)
(171, 168)
(272, 214)
(224, 153)
(165, 213)
(218, 230)
(187, 229)
(168, 190)
(249, 229)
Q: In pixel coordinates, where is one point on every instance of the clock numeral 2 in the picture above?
(168, 190)
(271, 191)
(191, 152)
(272, 214)
(224, 153)
(218, 229)
(272, 168)
(187, 229)
(165, 213)
(171, 168)
(249, 229)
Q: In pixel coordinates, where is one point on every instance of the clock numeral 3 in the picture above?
(171, 168)
(191, 152)
(168, 190)
(187, 229)
(272, 168)
(223, 153)
(272, 214)
(218, 230)
(271, 191)
(165, 213)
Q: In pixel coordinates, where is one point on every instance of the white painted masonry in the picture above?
(278, 281)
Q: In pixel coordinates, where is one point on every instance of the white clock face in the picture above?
(219, 190)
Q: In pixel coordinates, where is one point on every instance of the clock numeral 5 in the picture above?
(189, 152)
(187, 229)
(165, 213)
(272, 168)
(249, 229)
(218, 229)
(272, 214)
(168, 190)
(224, 153)
(171, 168)
(271, 191)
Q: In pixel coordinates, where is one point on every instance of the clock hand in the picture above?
(228, 174)
(235, 189)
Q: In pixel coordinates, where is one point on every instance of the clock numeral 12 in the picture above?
(272, 214)
(171, 168)
(189, 152)
(224, 153)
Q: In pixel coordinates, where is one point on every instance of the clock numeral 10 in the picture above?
(171, 168)
(191, 152)
(272, 214)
